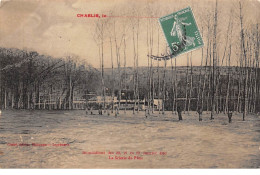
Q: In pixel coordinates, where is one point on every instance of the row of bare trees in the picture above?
(241, 91)
(219, 86)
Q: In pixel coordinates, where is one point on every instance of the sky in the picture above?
(53, 28)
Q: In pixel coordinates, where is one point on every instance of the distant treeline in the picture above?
(191, 87)
(28, 78)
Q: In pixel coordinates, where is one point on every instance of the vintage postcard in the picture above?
(127, 84)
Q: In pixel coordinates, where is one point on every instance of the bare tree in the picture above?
(214, 61)
(244, 57)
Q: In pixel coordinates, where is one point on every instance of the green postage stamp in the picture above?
(181, 32)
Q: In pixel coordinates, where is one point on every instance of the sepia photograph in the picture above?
(129, 84)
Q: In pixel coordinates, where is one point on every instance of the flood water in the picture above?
(72, 139)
